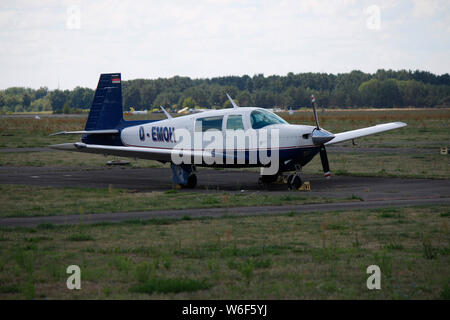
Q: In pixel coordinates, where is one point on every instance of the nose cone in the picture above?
(321, 136)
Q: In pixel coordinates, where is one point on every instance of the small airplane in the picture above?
(291, 146)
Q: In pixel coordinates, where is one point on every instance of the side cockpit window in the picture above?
(209, 123)
(234, 122)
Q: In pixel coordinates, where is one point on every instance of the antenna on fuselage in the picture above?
(232, 102)
(166, 113)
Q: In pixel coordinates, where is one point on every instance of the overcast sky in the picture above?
(43, 43)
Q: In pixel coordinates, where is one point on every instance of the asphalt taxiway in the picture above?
(375, 192)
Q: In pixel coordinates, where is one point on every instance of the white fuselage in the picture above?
(162, 134)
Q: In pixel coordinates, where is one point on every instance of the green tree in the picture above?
(57, 100)
(148, 95)
(80, 98)
(12, 101)
(189, 102)
(166, 99)
(297, 97)
(413, 93)
(389, 95)
(2, 100)
(26, 100)
(370, 93)
(338, 97)
(245, 99)
(132, 97)
(199, 94)
(40, 93)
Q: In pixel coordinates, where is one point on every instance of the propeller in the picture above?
(325, 164)
(320, 137)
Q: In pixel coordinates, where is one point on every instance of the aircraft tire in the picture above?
(294, 182)
(192, 182)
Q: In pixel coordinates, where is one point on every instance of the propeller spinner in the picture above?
(320, 137)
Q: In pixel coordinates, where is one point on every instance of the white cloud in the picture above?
(425, 8)
(205, 38)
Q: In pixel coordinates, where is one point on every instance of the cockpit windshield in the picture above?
(262, 118)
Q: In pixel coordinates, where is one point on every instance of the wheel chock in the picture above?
(281, 180)
(306, 186)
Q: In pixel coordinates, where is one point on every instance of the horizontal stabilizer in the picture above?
(354, 134)
(109, 131)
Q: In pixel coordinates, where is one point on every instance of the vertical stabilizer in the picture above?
(106, 110)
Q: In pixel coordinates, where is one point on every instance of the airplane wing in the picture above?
(132, 152)
(353, 134)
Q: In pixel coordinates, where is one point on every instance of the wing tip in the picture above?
(401, 124)
(57, 133)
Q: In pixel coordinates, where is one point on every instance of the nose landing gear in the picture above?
(294, 181)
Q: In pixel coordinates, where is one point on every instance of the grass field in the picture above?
(27, 132)
(426, 128)
(294, 256)
(385, 164)
(68, 159)
(23, 201)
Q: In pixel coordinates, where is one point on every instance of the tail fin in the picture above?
(106, 110)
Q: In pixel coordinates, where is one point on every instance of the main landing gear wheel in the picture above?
(183, 176)
(191, 182)
(294, 182)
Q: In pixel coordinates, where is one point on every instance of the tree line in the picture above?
(356, 89)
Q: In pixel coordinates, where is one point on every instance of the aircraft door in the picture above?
(211, 130)
(235, 142)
